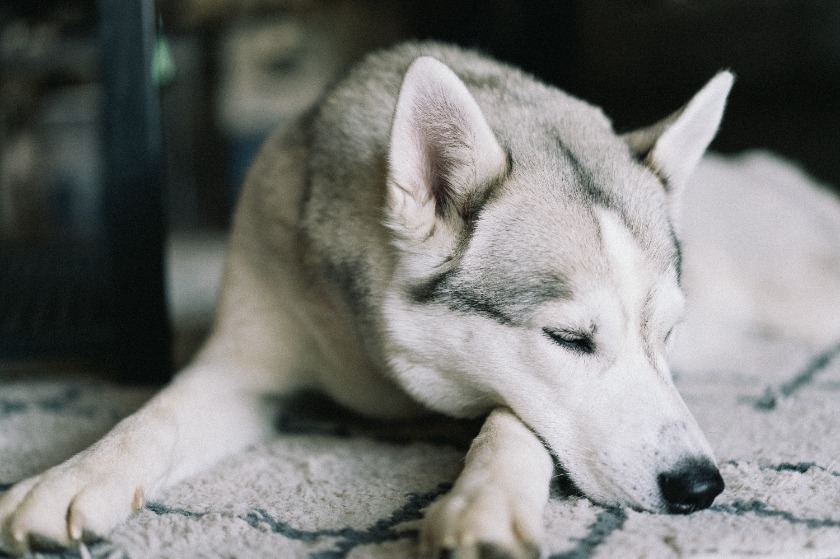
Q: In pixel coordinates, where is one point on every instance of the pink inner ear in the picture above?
(442, 149)
(440, 173)
(439, 183)
(446, 150)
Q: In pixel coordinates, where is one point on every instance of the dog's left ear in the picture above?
(672, 147)
(442, 154)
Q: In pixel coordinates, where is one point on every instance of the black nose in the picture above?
(692, 485)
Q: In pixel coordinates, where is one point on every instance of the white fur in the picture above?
(499, 495)
(675, 145)
(680, 147)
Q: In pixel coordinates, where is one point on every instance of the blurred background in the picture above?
(126, 127)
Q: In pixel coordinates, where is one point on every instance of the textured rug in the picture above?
(758, 362)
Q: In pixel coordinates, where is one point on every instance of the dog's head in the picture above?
(538, 268)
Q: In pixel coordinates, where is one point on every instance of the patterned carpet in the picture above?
(763, 384)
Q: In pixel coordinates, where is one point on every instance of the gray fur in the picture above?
(564, 158)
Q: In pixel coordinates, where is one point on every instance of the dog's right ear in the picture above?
(672, 147)
(442, 156)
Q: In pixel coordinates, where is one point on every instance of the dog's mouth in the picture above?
(562, 483)
(692, 485)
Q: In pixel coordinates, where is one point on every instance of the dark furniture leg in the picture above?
(133, 196)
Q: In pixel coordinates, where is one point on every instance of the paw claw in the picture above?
(76, 525)
(139, 499)
(63, 507)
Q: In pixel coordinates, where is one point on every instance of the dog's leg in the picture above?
(186, 426)
(496, 507)
(214, 407)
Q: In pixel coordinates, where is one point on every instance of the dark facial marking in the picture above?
(677, 254)
(645, 326)
(468, 301)
(445, 289)
(596, 195)
(508, 302)
(585, 180)
(600, 197)
(430, 290)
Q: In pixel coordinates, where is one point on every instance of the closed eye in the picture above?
(579, 342)
(669, 337)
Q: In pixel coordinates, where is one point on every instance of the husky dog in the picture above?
(442, 232)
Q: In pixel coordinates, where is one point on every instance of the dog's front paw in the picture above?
(75, 501)
(485, 523)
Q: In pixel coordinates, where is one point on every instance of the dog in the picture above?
(441, 232)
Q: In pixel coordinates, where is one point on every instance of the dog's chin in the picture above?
(624, 501)
(609, 494)
(650, 503)
(566, 486)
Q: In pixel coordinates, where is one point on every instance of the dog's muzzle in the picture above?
(692, 485)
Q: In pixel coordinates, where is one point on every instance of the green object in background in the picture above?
(163, 65)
